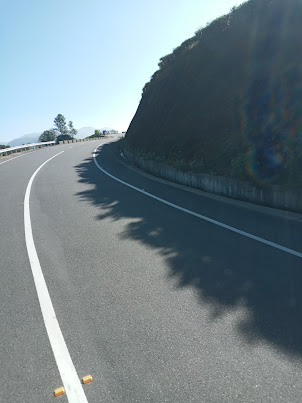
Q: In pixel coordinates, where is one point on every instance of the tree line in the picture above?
(60, 131)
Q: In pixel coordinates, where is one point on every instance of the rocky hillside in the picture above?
(228, 100)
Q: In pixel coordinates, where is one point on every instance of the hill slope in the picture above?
(228, 100)
(26, 139)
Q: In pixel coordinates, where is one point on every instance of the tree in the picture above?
(2, 146)
(62, 137)
(48, 135)
(60, 125)
(72, 130)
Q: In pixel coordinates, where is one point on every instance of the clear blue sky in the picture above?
(87, 59)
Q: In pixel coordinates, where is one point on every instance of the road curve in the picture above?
(156, 304)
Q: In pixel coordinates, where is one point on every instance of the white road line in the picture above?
(16, 157)
(202, 217)
(70, 379)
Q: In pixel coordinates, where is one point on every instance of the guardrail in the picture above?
(81, 140)
(11, 150)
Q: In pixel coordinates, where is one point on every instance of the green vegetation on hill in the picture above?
(96, 134)
(229, 100)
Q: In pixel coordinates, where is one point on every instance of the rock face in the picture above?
(228, 99)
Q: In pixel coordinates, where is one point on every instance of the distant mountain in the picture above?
(88, 131)
(105, 128)
(27, 138)
(85, 132)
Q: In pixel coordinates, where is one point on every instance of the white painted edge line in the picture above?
(202, 217)
(16, 157)
(70, 379)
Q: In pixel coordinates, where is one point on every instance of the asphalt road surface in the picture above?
(157, 304)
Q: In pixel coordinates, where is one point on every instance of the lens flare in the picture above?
(271, 108)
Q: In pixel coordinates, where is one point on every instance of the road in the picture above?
(157, 304)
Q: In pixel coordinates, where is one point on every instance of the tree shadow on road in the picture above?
(225, 274)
